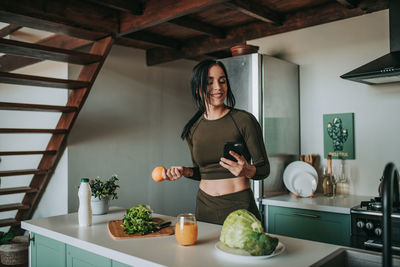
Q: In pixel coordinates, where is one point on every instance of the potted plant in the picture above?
(102, 191)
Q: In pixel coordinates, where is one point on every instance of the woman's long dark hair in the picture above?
(198, 84)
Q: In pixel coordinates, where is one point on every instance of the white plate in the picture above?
(295, 168)
(304, 184)
(239, 254)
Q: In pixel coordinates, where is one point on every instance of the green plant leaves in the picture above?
(104, 189)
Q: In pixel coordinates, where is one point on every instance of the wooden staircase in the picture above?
(91, 64)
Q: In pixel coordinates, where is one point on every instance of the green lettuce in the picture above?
(138, 220)
(242, 230)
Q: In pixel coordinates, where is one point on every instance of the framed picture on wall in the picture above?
(339, 135)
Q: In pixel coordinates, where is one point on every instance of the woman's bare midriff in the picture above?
(224, 186)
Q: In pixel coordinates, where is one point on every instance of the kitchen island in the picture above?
(160, 251)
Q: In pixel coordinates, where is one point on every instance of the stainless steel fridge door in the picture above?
(281, 118)
(244, 74)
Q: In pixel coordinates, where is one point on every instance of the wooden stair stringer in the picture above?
(58, 142)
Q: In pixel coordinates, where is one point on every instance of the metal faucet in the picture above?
(390, 198)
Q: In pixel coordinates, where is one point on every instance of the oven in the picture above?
(366, 227)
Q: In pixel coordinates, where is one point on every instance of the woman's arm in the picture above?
(255, 144)
(193, 172)
(176, 172)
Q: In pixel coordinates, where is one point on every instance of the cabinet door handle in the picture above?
(306, 215)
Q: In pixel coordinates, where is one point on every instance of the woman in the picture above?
(224, 183)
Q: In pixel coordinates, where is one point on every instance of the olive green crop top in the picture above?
(206, 141)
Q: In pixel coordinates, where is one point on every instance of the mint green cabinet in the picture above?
(77, 257)
(328, 227)
(47, 252)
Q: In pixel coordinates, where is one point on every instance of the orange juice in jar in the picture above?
(186, 229)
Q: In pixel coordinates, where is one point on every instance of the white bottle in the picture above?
(85, 209)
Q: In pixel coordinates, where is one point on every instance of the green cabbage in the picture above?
(242, 230)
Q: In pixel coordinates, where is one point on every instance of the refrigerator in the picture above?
(268, 87)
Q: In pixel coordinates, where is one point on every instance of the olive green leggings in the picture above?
(214, 209)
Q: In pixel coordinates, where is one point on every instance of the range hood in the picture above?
(385, 69)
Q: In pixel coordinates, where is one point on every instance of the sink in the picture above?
(345, 257)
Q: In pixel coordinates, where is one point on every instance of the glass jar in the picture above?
(343, 187)
(186, 229)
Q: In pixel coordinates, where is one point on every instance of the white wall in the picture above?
(131, 123)
(54, 199)
(324, 53)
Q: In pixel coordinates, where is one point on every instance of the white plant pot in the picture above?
(99, 206)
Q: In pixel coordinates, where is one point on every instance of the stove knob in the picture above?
(378, 231)
(360, 224)
(369, 225)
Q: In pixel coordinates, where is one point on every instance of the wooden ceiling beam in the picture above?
(255, 10)
(302, 19)
(135, 7)
(154, 39)
(158, 12)
(73, 18)
(127, 42)
(199, 26)
(349, 3)
(7, 30)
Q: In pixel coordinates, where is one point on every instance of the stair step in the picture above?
(17, 190)
(22, 172)
(24, 49)
(22, 130)
(9, 222)
(23, 79)
(33, 152)
(13, 206)
(35, 107)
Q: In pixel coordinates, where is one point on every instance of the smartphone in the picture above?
(235, 147)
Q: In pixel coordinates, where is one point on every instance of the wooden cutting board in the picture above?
(116, 231)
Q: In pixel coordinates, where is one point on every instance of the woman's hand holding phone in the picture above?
(239, 168)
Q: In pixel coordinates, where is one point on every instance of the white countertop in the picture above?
(165, 251)
(338, 204)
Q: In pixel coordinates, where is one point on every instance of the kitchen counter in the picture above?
(319, 202)
(165, 251)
